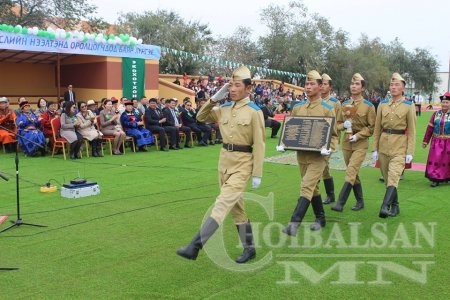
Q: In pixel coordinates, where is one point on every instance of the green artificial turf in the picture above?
(121, 244)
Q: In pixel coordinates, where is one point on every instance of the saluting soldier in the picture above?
(325, 90)
(241, 123)
(394, 140)
(311, 163)
(354, 148)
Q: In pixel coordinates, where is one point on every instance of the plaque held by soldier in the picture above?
(349, 111)
(307, 133)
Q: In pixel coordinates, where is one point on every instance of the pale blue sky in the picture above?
(417, 23)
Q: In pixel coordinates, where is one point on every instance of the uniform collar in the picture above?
(328, 97)
(314, 104)
(357, 100)
(240, 103)
(391, 102)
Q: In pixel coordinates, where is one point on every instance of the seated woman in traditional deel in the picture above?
(7, 120)
(31, 139)
(134, 127)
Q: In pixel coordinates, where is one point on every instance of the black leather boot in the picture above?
(191, 251)
(395, 208)
(389, 196)
(246, 237)
(79, 144)
(297, 216)
(343, 196)
(99, 147)
(329, 188)
(357, 190)
(72, 150)
(94, 148)
(317, 206)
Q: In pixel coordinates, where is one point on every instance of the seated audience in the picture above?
(188, 118)
(87, 128)
(7, 120)
(154, 122)
(269, 118)
(134, 127)
(93, 107)
(110, 125)
(69, 130)
(172, 120)
(46, 119)
(30, 138)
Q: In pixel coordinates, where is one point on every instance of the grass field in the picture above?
(121, 244)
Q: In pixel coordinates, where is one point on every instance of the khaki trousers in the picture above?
(230, 198)
(311, 173)
(353, 159)
(391, 168)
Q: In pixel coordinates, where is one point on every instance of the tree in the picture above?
(237, 48)
(41, 13)
(423, 70)
(168, 29)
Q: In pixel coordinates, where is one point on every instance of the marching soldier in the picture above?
(354, 148)
(311, 163)
(242, 126)
(393, 142)
(325, 90)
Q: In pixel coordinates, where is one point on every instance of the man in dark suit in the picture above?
(172, 119)
(189, 119)
(154, 120)
(69, 95)
(269, 118)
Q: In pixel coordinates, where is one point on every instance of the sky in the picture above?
(423, 24)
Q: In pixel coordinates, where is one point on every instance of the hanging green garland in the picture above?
(226, 63)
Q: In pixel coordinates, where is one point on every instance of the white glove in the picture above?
(280, 148)
(353, 138)
(408, 158)
(375, 156)
(221, 94)
(348, 124)
(256, 182)
(325, 152)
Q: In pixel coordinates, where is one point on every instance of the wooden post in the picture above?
(58, 77)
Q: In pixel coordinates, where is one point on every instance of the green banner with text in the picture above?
(133, 77)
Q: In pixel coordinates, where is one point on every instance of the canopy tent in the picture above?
(18, 48)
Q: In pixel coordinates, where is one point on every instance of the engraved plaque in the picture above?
(307, 133)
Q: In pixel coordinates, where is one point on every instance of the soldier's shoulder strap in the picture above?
(385, 101)
(407, 102)
(226, 104)
(254, 106)
(326, 105)
(300, 103)
(334, 99)
(368, 102)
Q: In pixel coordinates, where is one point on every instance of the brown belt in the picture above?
(393, 131)
(238, 148)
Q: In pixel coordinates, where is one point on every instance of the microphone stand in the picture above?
(19, 221)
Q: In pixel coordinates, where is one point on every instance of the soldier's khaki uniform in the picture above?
(311, 163)
(241, 123)
(363, 124)
(337, 112)
(393, 148)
